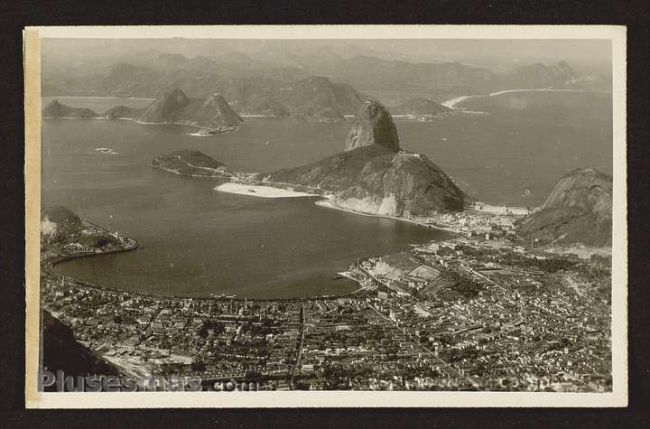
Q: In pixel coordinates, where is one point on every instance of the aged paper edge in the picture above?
(617, 398)
(32, 70)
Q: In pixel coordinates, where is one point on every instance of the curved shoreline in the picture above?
(48, 267)
(159, 296)
(451, 103)
(327, 204)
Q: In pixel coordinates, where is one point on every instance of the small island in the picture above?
(191, 163)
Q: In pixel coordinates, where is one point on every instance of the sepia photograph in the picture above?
(241, 216)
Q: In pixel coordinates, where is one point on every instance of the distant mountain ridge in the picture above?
(317, 98)
(370, 72)
(541, 76)
(259, 85)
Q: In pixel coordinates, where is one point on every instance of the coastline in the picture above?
(48, 268)
(327, 203)
(260, 191)
(48, 265)
(187, 124)
(451, 103)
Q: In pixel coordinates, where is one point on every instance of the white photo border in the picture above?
(618, 397)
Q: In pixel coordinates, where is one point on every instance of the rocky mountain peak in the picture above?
(176, 97)
(586, 189)
(373, 125)
(578, 210)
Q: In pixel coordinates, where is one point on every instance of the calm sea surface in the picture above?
(195, 241)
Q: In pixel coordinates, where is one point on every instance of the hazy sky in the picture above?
(490, 53)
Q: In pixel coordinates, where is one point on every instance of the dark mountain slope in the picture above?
(61, 351)
(174, 106)
(578, 210)
(376, 180)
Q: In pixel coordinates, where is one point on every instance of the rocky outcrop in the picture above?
(175, 107)
(578, 210)
(213, 112)
(56, 110)
(376, 180)
(167, 108)
(373, 125)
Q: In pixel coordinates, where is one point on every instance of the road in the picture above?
(300, 346)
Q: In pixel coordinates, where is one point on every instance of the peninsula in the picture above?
(374, 175)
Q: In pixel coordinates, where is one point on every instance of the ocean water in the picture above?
(195, 241)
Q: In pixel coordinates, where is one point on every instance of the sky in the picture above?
(496, 54)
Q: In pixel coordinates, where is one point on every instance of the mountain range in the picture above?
(319, 84)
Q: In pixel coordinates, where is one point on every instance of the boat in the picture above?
(106, 150)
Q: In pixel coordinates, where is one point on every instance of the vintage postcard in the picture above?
(326, 216)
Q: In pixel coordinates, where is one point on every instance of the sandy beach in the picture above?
(260, 191)
(454, 101)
